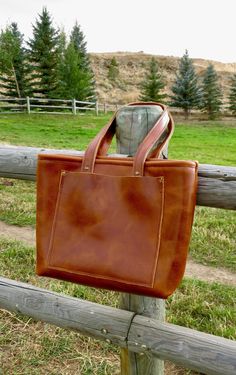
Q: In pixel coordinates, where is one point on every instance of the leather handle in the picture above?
(150, 140)
(100, 144)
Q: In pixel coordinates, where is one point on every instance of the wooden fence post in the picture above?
(139, 363)
(133, 363)
(74, 106)
(28, 104)
(97, 109)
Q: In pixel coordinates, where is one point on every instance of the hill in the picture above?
(132, 68)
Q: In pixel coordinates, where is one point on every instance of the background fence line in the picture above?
(44, 105)
(69, 106)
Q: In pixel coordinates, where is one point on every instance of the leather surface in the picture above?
(107, 227)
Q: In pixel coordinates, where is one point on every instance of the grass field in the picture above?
(207, 142)
(35, 348)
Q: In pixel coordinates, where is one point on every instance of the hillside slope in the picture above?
(132, 68)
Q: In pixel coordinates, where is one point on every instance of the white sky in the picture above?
(207, 28)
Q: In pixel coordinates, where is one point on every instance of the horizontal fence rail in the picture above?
(196, 350)
(216, 184)
(43, 105)
(72, 106)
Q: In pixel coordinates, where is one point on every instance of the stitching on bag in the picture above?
(149, 284)
(159, 230)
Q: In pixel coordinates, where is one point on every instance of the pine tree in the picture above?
(232, 95)
(13, 64)
(187, 93)
(43, 55)
(113, 70)
(86, 87)
(153, 85)
(73, 83)
(211, 101)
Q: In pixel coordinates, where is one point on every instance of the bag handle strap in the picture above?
(150, 140)
(100, 144)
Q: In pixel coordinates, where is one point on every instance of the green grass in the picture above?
(213, 241)
(17, 202)
(31, 347)
(207, 142)
(64, 131)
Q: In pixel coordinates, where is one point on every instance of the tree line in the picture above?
(53, 65)
(47, 65)
(188, 91)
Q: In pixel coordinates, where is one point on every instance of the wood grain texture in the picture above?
(195, 350)
(89, 318)
(131, 362)
(216, 185)
(144, 335)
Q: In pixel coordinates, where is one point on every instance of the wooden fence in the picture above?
(134, 332)
(54, 106)
(45, 105)
(72, 106)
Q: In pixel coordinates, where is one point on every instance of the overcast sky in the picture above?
(207, 28)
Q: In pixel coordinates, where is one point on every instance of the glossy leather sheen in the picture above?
(116, 223)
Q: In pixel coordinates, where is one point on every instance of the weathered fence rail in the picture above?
(216, 185)
(133, 332)
(196, 350)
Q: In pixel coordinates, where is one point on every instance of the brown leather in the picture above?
(100, 223)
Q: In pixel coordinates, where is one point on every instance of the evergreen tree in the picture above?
(152, 86)
(73, 81)
(232, 95)
(86, 86)
(43, 55)
(113, 70)
(211, 101)
(13, 65)
(187, 93)
(59, 70)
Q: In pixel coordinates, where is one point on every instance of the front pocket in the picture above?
(108, 227)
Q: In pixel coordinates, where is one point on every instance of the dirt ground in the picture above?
(198, 271)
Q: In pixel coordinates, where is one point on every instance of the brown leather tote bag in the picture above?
(117, 223)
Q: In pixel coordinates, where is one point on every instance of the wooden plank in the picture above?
(50, 106)
(89, 318)
(216, 185)
(28, 104)
(198, 351)
(133, 363)
(84, 102)
(206, 353)
(42, 100)
(12, 99)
